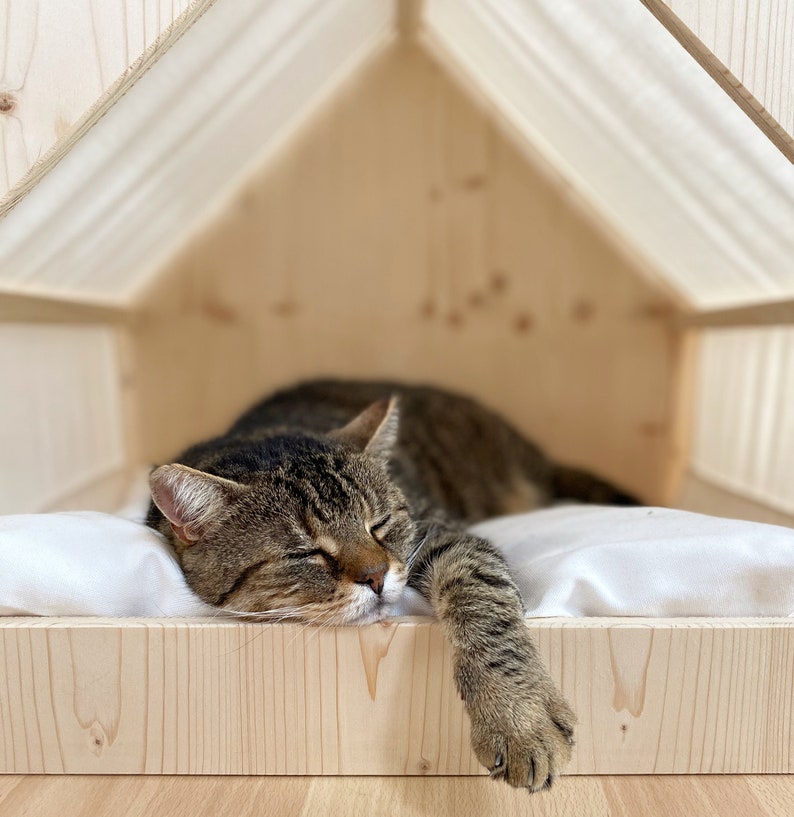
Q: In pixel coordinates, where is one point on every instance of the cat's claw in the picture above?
(528, 751)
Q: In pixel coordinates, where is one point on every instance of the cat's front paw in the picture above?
(528, 743)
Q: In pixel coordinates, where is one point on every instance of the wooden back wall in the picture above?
(399, 234)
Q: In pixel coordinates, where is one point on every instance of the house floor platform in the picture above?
(131, 796)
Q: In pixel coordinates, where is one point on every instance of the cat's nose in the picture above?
(374, 577)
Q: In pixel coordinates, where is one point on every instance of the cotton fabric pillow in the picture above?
(568, 561)
(85, 563)
(596, 561)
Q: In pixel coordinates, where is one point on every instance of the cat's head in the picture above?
(321, 533)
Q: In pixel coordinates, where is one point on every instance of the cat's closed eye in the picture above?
(380, 528)
(310, 554)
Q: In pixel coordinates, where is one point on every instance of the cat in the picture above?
(325, 500)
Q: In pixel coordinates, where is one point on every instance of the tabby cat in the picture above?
(325, 500)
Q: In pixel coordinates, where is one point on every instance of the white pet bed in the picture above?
(569, 561)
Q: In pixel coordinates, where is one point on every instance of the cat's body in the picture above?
(323, 501)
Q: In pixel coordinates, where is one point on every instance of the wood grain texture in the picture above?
(403, 236)
(137, 184)
(52, 91)
(198, 697)
(640, 132)
(747, 46)
(20, 307)
(700, 495)
(780, 313)
(61, 423)
(750, 796)
(743, 438)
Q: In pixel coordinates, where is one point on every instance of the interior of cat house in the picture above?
(578, 214)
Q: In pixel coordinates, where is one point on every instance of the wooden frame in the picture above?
(84, 696)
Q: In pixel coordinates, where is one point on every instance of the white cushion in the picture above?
(597, 561)
(568, 561)
(85, 563)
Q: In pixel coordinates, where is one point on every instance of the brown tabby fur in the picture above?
(323, 501)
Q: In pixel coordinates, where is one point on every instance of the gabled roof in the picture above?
(600, 92)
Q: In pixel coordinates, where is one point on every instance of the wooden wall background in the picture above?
(401, 235)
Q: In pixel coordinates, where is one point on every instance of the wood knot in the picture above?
(523, 322)
(8, 102)
(652, 430)
(476, 299)
(474, 182)
(499, 280)
(285, 309)
(583, 311)
(218, 312)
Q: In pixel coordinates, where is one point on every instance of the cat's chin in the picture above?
(380, 613)
(367, 608)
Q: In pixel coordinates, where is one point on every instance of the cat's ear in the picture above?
(191, 500)
(374, 430)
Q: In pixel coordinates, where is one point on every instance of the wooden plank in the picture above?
(404, 236)
(748, 49)
(743, 437)
(701, 495)
(53, 93)
(752, 796)
(776, 313)
(23, 307)
(609, 99)
(104, 220)
(83, 696)
(61, 424)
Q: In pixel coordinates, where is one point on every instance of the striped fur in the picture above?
(325, 500)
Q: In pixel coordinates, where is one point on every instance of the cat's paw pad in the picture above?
(527, 751)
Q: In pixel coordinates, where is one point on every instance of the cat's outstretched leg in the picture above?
(521, 726)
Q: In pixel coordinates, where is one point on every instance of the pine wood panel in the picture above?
(768, 796)
(401, 235)
(61, 421)
(779, 313)
(700, 495)
(748, 48)
(59, 58)
(197, 697)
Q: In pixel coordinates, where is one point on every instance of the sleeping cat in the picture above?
(325, 500)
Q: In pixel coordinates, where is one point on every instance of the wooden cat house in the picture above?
(551, 206)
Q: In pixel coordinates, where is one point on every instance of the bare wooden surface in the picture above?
(779, 313)
(403, 236)
(698, 494)
(65, 62)
(22, 307)
(748, 49)
(767, 796)
(61, 427)
(197, 697)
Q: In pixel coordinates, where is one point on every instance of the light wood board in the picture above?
(61, 414)
(52, 90)
(196, 697)
(640, 131)
(747, 47)
(767, 796)
(403, 236)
